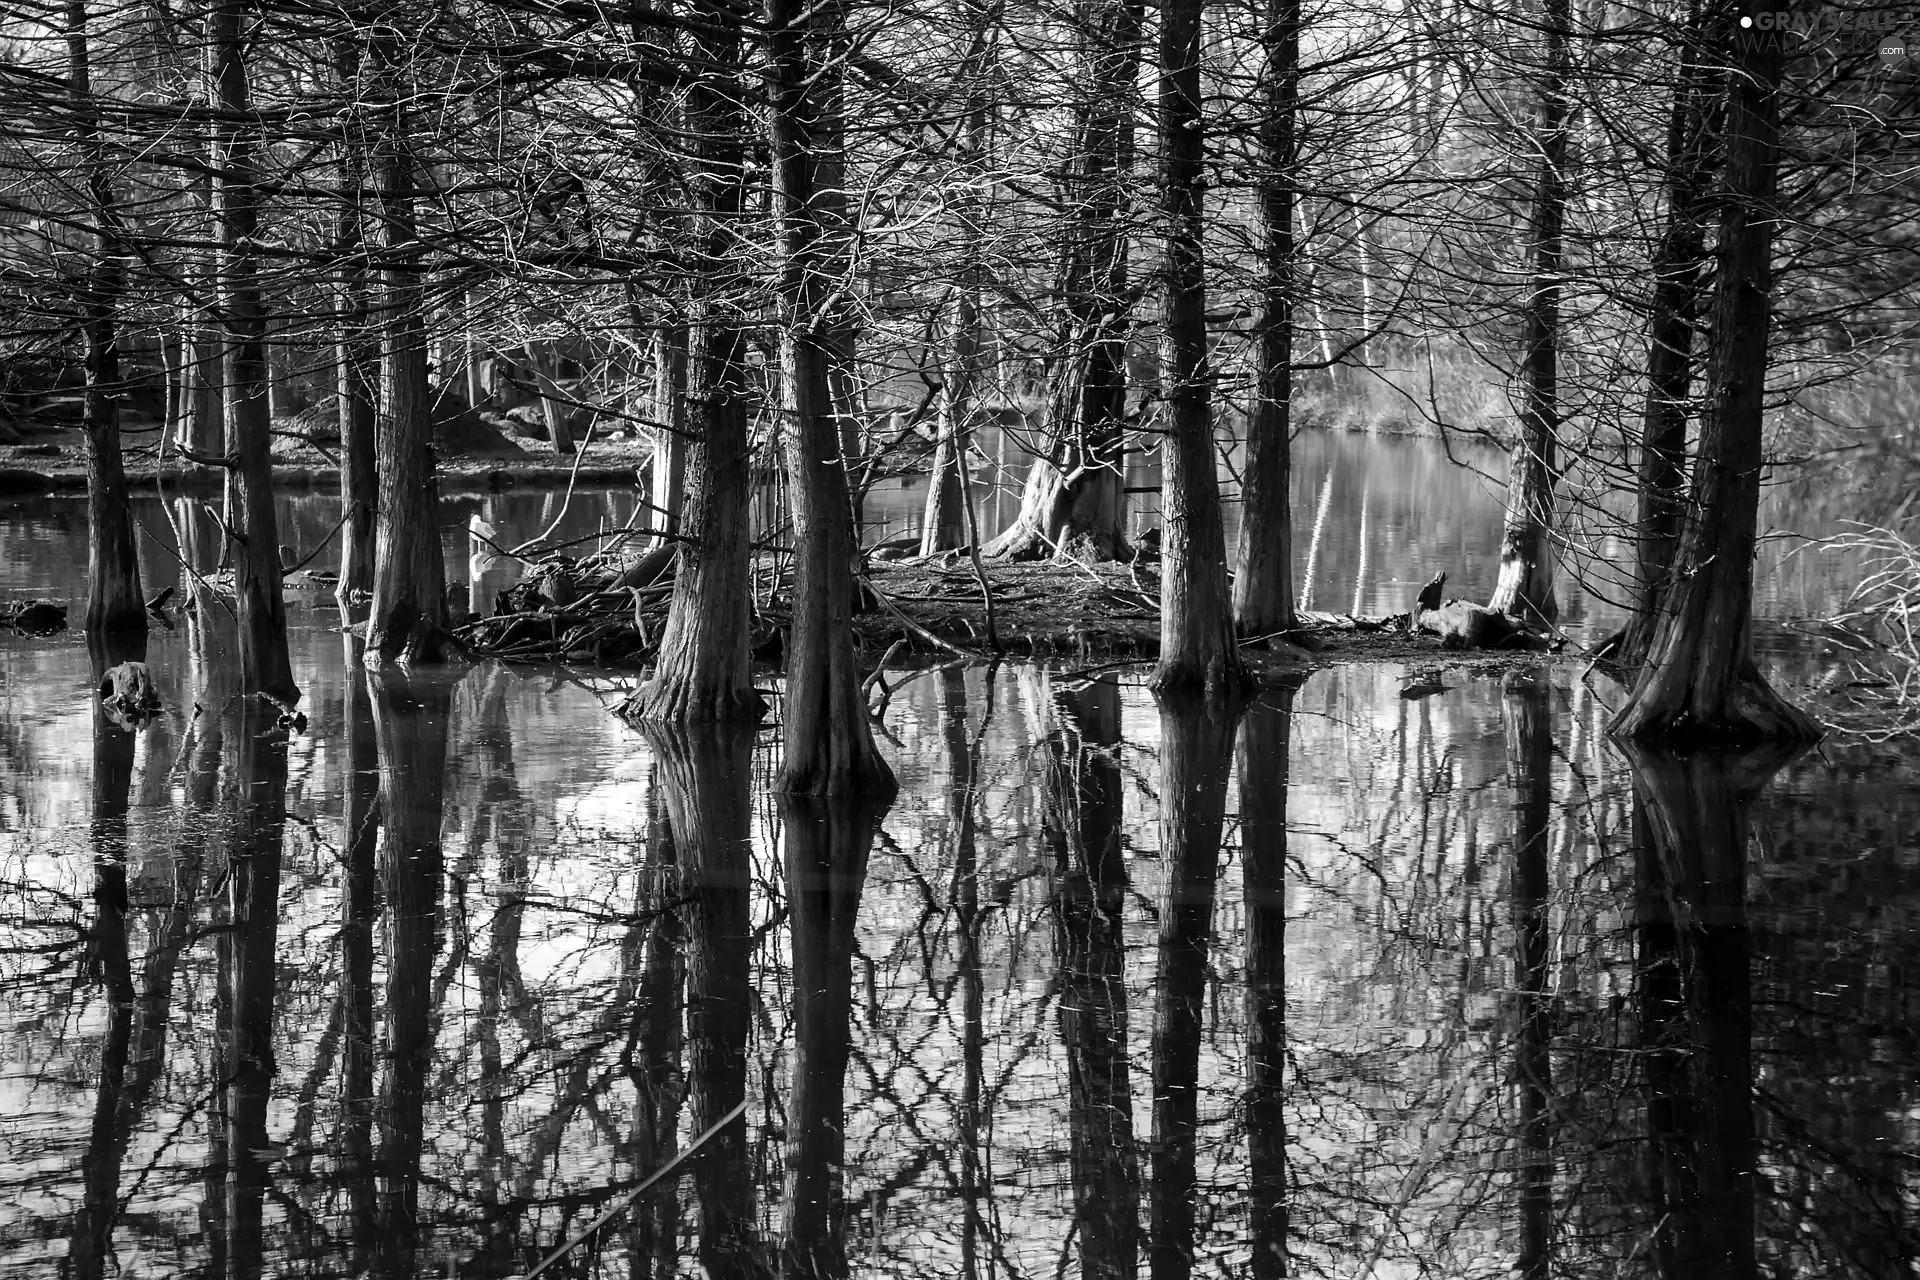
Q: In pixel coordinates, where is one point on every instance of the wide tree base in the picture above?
(1746, 712)
(1222, 679)
(666, 700)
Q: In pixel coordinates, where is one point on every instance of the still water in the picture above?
(1354, 985)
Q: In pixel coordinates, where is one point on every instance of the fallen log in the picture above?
(1461, 624)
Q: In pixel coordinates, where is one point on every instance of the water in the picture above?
(1403, 987)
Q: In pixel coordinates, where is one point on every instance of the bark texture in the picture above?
(356, 355)
(829, 745)
(1525, 585)
(1263, 566)
(1699, 683)
(1198, 653)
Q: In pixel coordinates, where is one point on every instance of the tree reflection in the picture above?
(705, 772)
(361, 902)
(1081, 824)
(1196, 756)
(411, 715)
(827, 843)
(1695, 1002)
(1527, 700)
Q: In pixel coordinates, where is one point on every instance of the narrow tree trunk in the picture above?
(1263, 567)
(1699, 683)
(1525, 585)
(706, 775)
(114, 601)
(1529, 733)
(357, 355)
(703, 668)
(827, 842)
(1679, 264)
(1197, 649)
(409, 572)
(1196, 754)
(829, 745)
(1081, 823)
(672, 352)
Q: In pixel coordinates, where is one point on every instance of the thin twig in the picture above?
(573, 476)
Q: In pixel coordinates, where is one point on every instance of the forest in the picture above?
(715, 637)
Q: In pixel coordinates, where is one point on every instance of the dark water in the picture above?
(1358, 985)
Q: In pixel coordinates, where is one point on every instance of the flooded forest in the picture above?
(959, 640)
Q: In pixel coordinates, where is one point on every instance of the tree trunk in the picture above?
(706, 773)
(1529, 732)
(1679, 263)
(114, 601)
(672, 351)
(411, 715)
(1525, 586)
(1263, 567)
(827, 845)
(1074, 501)
(1196, 754)
(357, 356)
(1197, 649)
(409, 572)
(829, 745)
(1699, 683)
(703, 668)
(1264, 742)
(1696, 1002)
(1081, 823)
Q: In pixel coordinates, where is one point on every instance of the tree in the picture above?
(829, 745)
(253, 530)
(114, 601)
(702, 672)
(1700, 683)
(1263, 567)
(1525, 585)
(356, 348)
(1197, 645)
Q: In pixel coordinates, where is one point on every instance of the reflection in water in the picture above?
(425, 989)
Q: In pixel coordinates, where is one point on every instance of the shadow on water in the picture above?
(1349, 984)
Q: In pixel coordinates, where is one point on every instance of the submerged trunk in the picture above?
(1197, 645)
(1263, 567)
(1525, 586)
(829, 744)
(409, 573)
(1679, 262)
(1529, 732)
(1699, 683)
(254, 532)
(702, 672)
(1081, 823)
(1074, 502)
(707, 776)
(113, 565)
(357, 358)
(827, 845)
(1196, 752)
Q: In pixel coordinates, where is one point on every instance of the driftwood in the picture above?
(127, 695)
(35, 617)
(1461, 624)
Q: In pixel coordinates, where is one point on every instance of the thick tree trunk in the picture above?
(1525, 585)
(1679, 264)
(1529, 732)
(1074, 502)
(409, 572)
(706, 774)
(411, 715)
(703, 668)
(1696, 1002)
(829, 744)
(1699, 683)
(1264, 742)
(1198, 653)
(827, 845)
(1081, 823)
(254, 527)
(1196, 755)
(1263, 566)
(357, 358)
(114, 601)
